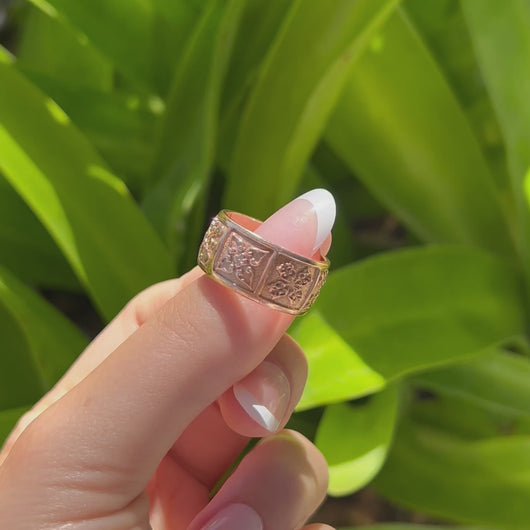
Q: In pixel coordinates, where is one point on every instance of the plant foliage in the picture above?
(124, 125)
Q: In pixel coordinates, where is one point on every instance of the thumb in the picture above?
(120, 421)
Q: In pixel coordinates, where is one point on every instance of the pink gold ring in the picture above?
(233, 255)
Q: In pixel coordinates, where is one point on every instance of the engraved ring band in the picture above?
(233, 255)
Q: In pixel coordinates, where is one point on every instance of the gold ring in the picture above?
(233, 255)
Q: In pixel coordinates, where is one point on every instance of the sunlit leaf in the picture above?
(26, 249)
(122, 30)
(336, 371)
(409, 310)
(292, 99)
(119, 125)
(402, 132)
(355, 438)
(480, 481)
(501, 35)
(261, 22)
(443, 28)
(497, 380)
(53, 341)
(51, 48)
(186, 145)
(88, 211)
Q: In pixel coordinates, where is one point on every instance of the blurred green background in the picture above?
(126, 124)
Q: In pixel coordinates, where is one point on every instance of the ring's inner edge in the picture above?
(245, 221)
(251, 224)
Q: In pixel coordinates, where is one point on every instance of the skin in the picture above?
(144, 424)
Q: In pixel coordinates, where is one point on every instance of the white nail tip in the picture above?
(258, 412)
(325, 210)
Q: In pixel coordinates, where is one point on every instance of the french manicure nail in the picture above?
(325, 209)
(264, 395)
(235, 517)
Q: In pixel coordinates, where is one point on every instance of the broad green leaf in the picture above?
(480, 482)
(355, 438)
(26, 248)
(20, 381)
(122, 30)
(50, 47)
(262, 21)
(405, 526)
(442, 25)
(463, 417)
(174, 21)
(87, 210)
(336, 372)
(54, 342)
(291, 101)
(401, 130)
(501, 35)
(121, 126)
(187, 142)
(495, 380)
(367, 328)
(409, 310)
(8, 420)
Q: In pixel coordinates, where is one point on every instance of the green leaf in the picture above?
(26, 248)
(501, 35)
(20, 381)
(186, 146)
(355, 438)
(262, 21)
(336, 372)
(121, 126)
(8, 420)
(410, 310)
(433, 175)
(53, 341)
(88, 211)
(5, 56)
(463, 417)
(405, 526)
(122, 30)
(173, 24)
(481, 481)
(50, 47)
(442, 25)
(495, 380)
(367, 328)
(291, 101)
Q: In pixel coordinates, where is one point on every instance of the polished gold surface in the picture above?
(232, 254)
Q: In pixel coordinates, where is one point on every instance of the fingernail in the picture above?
(325, 209)
(264, 395)
(303, 224)
(235, 517)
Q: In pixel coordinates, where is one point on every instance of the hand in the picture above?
(154, 412)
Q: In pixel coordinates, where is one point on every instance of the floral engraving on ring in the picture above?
(291, 283)
(210, 241)
(316, 289)
(241, 259)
